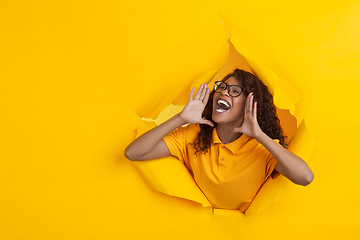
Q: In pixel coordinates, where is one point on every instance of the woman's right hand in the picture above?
(151, 145)
(192, 112)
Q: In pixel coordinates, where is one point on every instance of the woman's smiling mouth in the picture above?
(222, 105)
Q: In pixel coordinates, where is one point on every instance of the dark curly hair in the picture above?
(266, 112)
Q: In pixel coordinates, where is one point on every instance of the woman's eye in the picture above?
(221, 87)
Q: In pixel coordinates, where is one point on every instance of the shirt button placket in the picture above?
(222, 166)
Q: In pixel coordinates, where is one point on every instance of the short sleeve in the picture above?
(175, 141)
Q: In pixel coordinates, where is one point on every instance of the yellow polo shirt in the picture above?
(229, 175)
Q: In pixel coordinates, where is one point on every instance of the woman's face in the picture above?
(229, 110)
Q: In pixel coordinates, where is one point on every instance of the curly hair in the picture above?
(266, 112)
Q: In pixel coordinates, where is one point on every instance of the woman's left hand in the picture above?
(250, 126)
(291, 166)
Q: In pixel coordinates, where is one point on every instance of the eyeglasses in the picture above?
(233, 90)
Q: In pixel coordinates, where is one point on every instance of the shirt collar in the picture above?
(233, 146)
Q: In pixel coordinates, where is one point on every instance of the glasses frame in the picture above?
(228, 87)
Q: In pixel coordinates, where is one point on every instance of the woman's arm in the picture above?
(289, 165)
(151, 146)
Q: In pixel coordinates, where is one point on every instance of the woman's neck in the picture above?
(225, 133)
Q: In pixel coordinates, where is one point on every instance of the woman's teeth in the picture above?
(220, 110)
(222, 106)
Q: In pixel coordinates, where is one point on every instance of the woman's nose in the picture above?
(225, 92)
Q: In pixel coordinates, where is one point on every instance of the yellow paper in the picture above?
(77, 77)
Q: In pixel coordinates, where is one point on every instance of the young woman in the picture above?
(233, 141)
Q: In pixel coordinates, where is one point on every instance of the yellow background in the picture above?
(75, 76)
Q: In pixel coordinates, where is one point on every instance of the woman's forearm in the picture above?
(291, 166)
(147, 142)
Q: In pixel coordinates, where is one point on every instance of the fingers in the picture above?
(199, 92)
(235, 130)
(255, 110)
(250, 106)
(247, 104)
(191, 94)
(202, 93)
(207, 94)
(207, 122)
